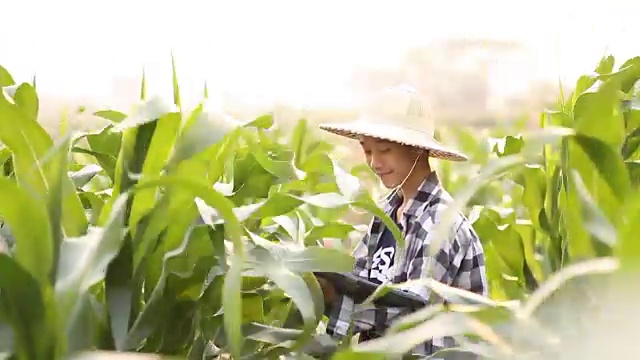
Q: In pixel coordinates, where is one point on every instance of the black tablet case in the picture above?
(359, 289)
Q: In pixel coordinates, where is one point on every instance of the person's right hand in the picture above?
(328, 290)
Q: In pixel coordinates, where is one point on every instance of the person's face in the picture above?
(391, 161)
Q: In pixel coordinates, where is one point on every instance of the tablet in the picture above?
(359, 289)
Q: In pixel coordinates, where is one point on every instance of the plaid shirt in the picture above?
(459, 262)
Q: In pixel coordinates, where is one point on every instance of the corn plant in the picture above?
(168, 231)
(188, 233)
(569, 208)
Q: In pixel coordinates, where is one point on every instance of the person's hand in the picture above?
(328, 290)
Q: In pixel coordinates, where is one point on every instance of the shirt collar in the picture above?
(427, 191)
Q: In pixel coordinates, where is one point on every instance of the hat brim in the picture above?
(396, 134)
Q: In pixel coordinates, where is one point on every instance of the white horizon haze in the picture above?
(301, 53)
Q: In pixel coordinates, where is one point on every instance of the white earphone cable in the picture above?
(398, 187)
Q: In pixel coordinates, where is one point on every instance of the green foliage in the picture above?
(190, 234)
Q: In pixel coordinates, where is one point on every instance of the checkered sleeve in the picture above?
(459, 262)
(467, 270)
(468, 259)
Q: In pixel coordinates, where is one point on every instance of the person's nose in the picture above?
(375, 163)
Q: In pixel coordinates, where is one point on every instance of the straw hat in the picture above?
(399, 115)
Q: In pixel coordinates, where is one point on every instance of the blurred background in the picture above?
(478, 62)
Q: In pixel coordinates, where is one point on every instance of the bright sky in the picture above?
(295, 51)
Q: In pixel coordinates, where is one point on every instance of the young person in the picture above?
(397, 137)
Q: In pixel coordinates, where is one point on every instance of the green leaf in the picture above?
(606, 65)
(28, 141)
(348, 184)
(604, 265)
(261, 122)
(56, 168)
(594, 220)
(334, 230)
(34, 244)
(149, 234)
(298, 142)
(5, 77)
(358, 355)
(597, 115)
(32, 148)
(160, 146)
(580, 247)
(292, 284)
(120, 294)
(252, 308)
(94, 202)
(27, 100)
(143, 86)
(281, 203)
(74, 219)
(506, 240)
(444, 324)
(145, 112)
(137, 136)
(512, 145)
(534, 188)
(632, 117)
(631, 144)
(160, 298)
(107, 162)
(628, 247)
(634, 171)
(626, 76)
(111, 115)
(203, 129)
(298, 260)
(607, 162)
(278, 168)
(81, 177)
(83, 263)
(209, 195)
(442, 230)
(232, 304)
(106, 141)
(232, 300)
(23, 304)
(176, 88)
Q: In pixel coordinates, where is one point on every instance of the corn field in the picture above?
(184, 233)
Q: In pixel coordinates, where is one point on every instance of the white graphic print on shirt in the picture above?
(381, 266)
